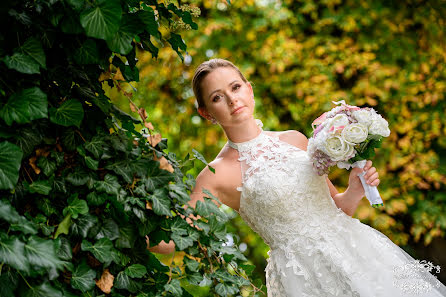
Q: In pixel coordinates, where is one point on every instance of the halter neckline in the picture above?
(237, 145)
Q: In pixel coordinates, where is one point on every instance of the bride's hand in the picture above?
(371, 177)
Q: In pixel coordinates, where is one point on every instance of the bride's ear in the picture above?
(204, 113)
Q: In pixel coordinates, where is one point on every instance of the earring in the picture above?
(213, 120)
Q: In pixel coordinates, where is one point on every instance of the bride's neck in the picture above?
(243, 132)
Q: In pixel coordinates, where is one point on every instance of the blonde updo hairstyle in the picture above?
(204, 69)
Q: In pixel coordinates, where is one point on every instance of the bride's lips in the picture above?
(237, 109)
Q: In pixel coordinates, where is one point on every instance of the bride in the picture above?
(316, 247)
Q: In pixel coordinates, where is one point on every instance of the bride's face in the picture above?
(227, 97)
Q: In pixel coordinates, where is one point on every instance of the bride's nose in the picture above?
(232, 99)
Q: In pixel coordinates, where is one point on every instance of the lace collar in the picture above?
(249, 143)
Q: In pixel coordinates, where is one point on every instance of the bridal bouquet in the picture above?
(346, 136)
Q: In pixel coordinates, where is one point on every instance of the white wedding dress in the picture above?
(315, 248)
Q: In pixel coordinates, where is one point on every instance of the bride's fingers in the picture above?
(375, 182)
(372, 178)
(369, 173)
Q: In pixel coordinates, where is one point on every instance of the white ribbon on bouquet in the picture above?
(371, 192)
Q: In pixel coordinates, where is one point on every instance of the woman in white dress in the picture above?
(316, 247)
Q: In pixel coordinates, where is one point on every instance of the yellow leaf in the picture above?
(154, 139)
(118, 75)
(32, 162)
(148, 125)
(164, 164)
(105, 76)
(105, 283)
(133, 107)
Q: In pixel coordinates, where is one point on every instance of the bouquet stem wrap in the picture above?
(371, 192)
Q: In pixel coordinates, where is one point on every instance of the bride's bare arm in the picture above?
(206, 180)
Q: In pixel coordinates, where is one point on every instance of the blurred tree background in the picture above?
(300, 56)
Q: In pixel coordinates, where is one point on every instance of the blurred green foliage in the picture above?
(300, 56)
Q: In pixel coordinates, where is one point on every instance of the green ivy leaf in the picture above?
(161, 203)
(87, 53)
(12, 252)
(33, 48)
(157, 177)
(182, 242)
(40, 186)
(109, 229)
(179, 226)
(127, 237)
(101, 250)
(10, 160)
(44, 290)
(91, 163)
(192, 265)
(110, 185)
(177, 43)
(147, 16)
(83, 278)
(95, 146)
(123, 168)
(96, 199)
(41, 252)
(25, 106)
(102, 20)
(63, 248)
(136, 270)
(76, 207)
(224, 289)
(70, 113)
(48, 166)
(120, 42)
(83, 224)
(22, 63)
(174, 287)
(123, 281)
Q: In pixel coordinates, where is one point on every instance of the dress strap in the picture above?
(253, 141)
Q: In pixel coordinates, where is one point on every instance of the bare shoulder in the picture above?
(222, 178)
(294, 137)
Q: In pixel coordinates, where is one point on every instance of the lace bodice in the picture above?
(281, 196)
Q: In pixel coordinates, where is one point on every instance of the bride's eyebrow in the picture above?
(210, 95)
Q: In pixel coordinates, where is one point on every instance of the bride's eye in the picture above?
(215, 98)
(237, 86)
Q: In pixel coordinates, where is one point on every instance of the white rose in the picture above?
(363, 116)
(337, 149)
(354, 133)
(338, 120)
(379, 126)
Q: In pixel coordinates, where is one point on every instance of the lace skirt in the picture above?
(353, 260)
